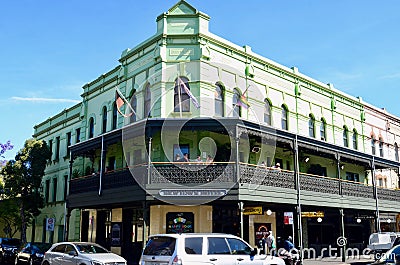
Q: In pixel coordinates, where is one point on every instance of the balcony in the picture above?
(261, 178)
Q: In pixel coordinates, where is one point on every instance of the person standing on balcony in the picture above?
(277, 166)
(198, 159)
(177, 158)
(185, 158)
(209, 159)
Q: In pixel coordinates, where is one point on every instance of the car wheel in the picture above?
(45, 263)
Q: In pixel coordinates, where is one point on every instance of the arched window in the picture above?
(91, 128)
(219, 100)
(284, 121)
(104, 124)
(322, 130)
(345, 136)
(373, 148)
(311, 126)
(355, 139)
(147, 101)
(181, 98)
(115, 117)
(237, 109)
(267, 112)
(380, 147)
(396, 152)
(134, 107)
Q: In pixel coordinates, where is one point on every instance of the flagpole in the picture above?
(127, 102)
(179, 96)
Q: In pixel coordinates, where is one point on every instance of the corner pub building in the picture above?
(113, 178)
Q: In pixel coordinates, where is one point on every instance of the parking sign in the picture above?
(50, 224)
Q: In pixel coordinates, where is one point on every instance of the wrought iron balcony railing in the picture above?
(201, 173)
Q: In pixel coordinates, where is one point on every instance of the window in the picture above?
(322, 129)
(69, 142)
(57, 151)
(51, 148)
(217, 246)
(238, 247)
(78, 135)
(396, 152)
(54, 189)
(267, 112)
(104, 125)
(134, 107)
(219, 100)
(47, 191)
(65, 187)
(352, 176)
(115, 117)
(311, 126)
(194, 245)
(237, 110)
(147, 101)
(284, 122)
(345, 137)
(91, 128)
(355, 141)
(373, 149)
(181, 98)
(381, 147)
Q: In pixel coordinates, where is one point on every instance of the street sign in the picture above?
(50, 224)
(288, 218)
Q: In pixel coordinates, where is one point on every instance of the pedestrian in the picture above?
(270, 242)
(288, 244)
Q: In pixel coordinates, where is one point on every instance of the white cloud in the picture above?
(390, 76)
(46, 100)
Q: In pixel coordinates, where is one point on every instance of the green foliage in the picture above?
(22, 180)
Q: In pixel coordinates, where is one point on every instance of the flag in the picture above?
(187, 90)
(119, 102)
(242, 101)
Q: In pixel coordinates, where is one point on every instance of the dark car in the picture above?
(31, 253)
(8, 248)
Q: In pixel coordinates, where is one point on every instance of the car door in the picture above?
(218, 251)
(70, 255)
(240, 252)
(56, 254)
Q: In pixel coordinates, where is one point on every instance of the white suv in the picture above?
(197, 248)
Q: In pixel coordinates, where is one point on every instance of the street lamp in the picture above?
(388, 220)
(358, 220)
(319, 220)
(269, 212)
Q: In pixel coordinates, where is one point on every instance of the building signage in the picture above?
(257, 210)
(193, 192)
(288, 218)
(312, 214)
(180, 222)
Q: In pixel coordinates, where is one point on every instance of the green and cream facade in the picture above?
(321, 136)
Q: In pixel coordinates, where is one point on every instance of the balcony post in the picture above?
(149, 162)
(237, 159)
(337, 156)
(67, 211)
(102, 164)
(298, 191)
(374, 184)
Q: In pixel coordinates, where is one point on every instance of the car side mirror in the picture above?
(253, 252)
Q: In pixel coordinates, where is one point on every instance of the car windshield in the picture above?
(41, 247)
(91, 249)
(11, 241)
(160, 246)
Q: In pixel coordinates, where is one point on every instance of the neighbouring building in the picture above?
(114, 177)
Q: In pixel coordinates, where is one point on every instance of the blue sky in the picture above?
(50, 49)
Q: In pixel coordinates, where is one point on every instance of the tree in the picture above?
(3, 149)
(22, 180)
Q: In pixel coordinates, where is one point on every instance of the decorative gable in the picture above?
(182, 8)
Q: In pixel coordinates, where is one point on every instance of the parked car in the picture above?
(31, 253)
(381, 242)
(8, 248)
(391, 257)
(81, 253)
(197, 248)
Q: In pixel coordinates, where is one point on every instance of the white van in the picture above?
(382, 242)
(202, 248)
